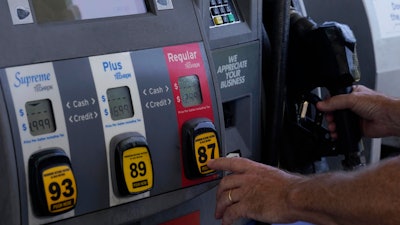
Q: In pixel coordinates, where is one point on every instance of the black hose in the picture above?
(276, 21)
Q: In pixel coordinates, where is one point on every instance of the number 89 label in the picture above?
(138, 170)
(206, 147)
(60, 188)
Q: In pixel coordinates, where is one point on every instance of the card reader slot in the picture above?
(238, 131)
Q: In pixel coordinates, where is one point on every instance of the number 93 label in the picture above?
(206, 148)
(60, 188)
(138, 170)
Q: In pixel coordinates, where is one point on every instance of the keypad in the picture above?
(223, 12)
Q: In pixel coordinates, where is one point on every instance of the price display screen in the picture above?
(120, 103)
(40, 117)
(67, 10)
(190, 92)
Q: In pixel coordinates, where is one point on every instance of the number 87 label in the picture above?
(60, 188)
(206, 148)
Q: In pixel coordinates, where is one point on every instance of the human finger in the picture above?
(344, 101)
(229, 182)
(329, 117)
(331, 125)
(225, 200)
(337, 102)
(233, 213)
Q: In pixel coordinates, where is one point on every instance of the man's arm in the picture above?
(368, 196)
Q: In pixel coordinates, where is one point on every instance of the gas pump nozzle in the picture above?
(325, 56)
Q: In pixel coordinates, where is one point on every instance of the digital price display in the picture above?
(40, 117)
(190, 92)
(67, 10)
(120, 103)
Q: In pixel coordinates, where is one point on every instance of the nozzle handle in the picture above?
(349, 134)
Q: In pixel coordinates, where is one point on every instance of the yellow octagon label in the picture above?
(138, 170)
(60, 188)
(206, 148)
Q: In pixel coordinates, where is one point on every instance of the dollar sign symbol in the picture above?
(21, 112)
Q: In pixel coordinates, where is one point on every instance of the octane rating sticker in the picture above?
(138, 170)
(206, 147)
(60, 188)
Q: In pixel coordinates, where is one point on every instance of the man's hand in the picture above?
(253, 190)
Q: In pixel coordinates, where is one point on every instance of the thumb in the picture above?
(334, 103)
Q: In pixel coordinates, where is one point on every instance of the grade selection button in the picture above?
(200, 144)
(52, 183)
(133, 165)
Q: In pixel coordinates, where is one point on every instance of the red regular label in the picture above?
(190, 88)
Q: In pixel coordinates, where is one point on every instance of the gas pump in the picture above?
(311, 57)
(376, 23)
(321, 56)
(111, 110)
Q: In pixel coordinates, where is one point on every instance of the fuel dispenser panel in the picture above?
(77, 111)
